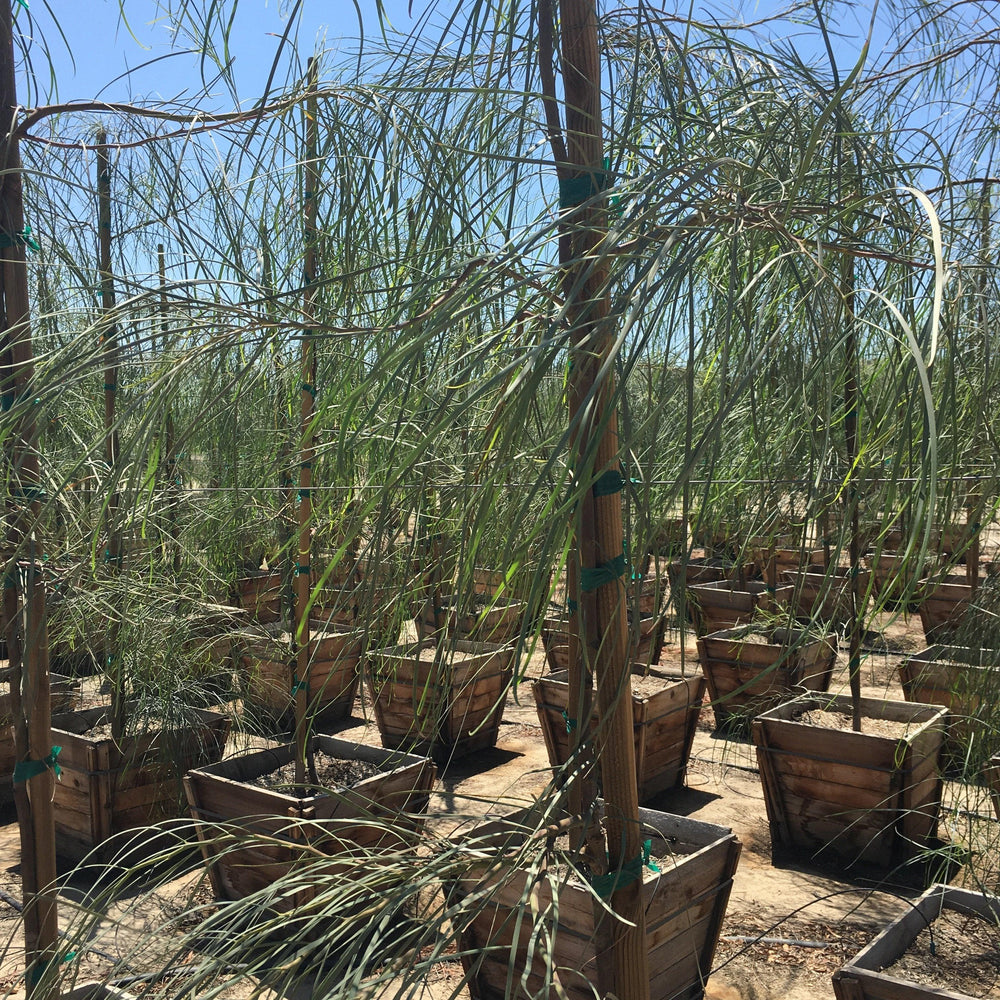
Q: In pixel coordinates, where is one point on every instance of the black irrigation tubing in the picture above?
(749, 938)
(18, 906)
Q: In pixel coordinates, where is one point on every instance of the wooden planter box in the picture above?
(267, 666)
(861, 978)
(826, 594)
(663, 724)
(745, 678)
(958, 678)
(648, 590)
(503, 957)
(785, 559)
(669, 536)
(724, 605)
(991, 776)
(943, 604)
(891, 579)
(65, 696)
(683, 574)
(956, 539)
(260, 593)
(498, 621)
(107, 789)
(445, 699)
(251, 836)
(857, 796)
(645, 642)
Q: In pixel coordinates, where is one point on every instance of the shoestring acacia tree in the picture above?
(540, 254)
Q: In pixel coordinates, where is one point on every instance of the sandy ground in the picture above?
(787, 929)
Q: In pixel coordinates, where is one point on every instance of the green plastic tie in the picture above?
(29, 493)
(311, 389)
(606, 885)
(570, 723)
(25, 770)
(616, 202)
(597, 576)
(301, 569)
(572, 606)
(6, 401)
(609, 483)
(305, 494)
(21, 239)
(575, 191)
(24, 4)
(306, 465)
(109, 558)
(309, 194)
(110, 386)
(298, 685)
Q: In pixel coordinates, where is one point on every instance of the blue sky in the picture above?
(102, 46)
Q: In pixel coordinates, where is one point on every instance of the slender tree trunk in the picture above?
(851, 404)
(169, 444)
(109, 343)
(27, 648)
(307, 447)
(604, 627)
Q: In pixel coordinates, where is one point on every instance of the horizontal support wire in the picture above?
(635, 486)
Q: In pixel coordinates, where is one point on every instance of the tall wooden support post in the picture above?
(307, 450)
(169, 443)
(604, 626)
(974, 506)
(109, 349)
(27, 646)
(851, 404)
(109, 344)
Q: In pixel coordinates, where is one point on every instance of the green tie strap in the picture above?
(608, 483)
(21, 239)
(575, 191)
(606, 885)
(25, 770)
(597, 576)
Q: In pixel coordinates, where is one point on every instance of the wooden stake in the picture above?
(169, 444)
(300, 677)
(109, 343)
(600, 533)
(30, 703)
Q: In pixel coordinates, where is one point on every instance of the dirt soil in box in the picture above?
(787, 928)
(958, 952)
(842, 720)
(331, 772)
(661, 857)
(644, 687)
